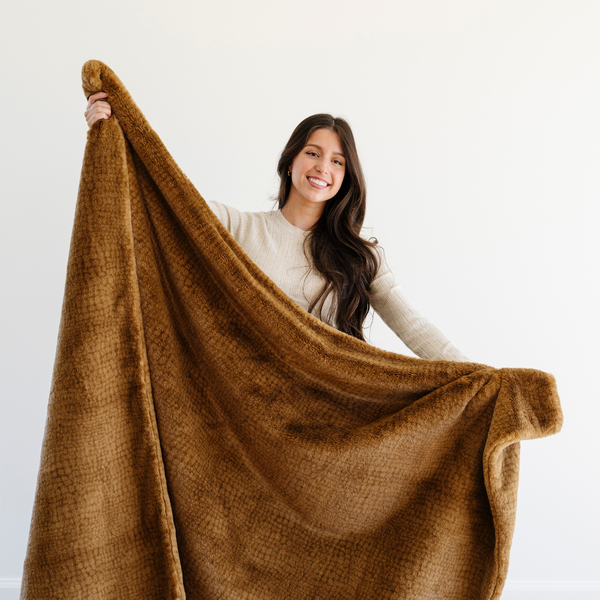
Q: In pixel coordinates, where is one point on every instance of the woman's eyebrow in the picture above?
(321, 149)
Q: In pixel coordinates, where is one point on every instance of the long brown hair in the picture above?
(347, 261)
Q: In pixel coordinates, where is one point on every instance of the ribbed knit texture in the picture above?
(277, 247)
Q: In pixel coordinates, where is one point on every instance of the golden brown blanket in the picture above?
(208, 439)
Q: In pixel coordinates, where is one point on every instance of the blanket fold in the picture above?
(208, 439)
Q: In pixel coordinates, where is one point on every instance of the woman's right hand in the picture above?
(96, 108)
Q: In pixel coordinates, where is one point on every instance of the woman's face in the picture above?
(319, 169)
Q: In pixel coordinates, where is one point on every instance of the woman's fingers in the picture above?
(95, 97)
(100, 106)
(97, 109)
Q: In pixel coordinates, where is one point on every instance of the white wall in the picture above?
(478, 125)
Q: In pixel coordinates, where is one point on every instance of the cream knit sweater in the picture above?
(276, 246)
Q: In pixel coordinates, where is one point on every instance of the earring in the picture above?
(289, 173)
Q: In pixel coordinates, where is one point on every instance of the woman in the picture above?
(312, 246)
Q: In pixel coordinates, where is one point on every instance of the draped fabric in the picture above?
(208, 439)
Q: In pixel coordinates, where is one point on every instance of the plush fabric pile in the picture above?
(208, 439)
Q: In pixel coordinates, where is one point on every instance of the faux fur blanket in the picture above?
(209, 439)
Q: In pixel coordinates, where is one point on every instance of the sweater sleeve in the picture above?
(229, 217)
(423, 338)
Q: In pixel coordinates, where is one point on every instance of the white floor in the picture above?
(550, 595)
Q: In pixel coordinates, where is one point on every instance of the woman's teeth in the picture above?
(318, 182)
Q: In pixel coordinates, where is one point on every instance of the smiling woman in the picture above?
(313, 247)
(325, 194)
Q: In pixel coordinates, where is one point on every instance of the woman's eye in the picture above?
(311, 153)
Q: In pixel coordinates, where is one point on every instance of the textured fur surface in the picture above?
(208, 439)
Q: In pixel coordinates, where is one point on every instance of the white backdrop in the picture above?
(478, 125)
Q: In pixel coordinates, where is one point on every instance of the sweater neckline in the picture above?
(285, 224)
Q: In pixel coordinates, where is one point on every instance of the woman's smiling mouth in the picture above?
(317, 182)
